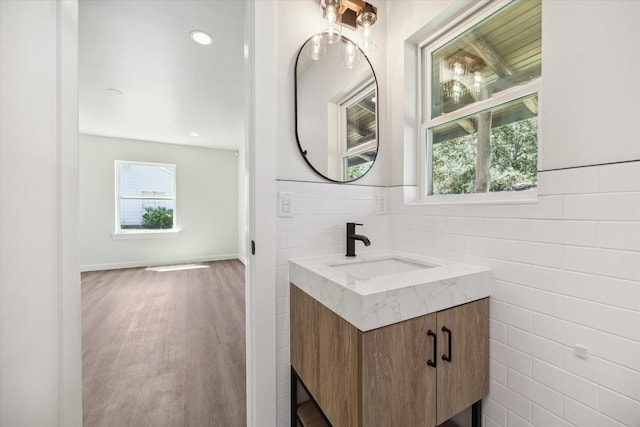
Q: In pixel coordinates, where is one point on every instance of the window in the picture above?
(359, 139)
(480, 105)
(145, 197)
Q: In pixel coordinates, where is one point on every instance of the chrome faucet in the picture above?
(352, 237)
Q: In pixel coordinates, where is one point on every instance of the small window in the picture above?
(359, 139)
(145, 196)
(480, 105)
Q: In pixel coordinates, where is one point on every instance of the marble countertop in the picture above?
(384, 300)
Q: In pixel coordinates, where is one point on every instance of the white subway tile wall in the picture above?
(566, 272)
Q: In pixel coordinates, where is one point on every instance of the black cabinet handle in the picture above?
(435, 349)
(444, 356)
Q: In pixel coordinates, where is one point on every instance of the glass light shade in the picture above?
(317, 48)
(350, 55)
(365, 21)
(332, 20)
(478, 85)
(458, 71)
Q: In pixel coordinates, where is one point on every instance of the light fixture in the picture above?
(355, 14)
(332, 20)
(463, 77)
(365, 20)
(194, 134)
(201, 37)
(317, 49)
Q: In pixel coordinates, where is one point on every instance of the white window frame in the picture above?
(425, 49)
(121, 233)
(353, 97)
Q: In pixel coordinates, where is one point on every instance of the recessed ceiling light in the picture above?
(113, 91)
(201, 37)
(194, 134)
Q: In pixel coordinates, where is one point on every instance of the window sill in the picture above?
(503, 198)
(145, 234)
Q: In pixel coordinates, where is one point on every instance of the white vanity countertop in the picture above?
(387, 299)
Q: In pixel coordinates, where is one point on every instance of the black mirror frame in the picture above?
(303, 152)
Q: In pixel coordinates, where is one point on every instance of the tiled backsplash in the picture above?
(566, 272)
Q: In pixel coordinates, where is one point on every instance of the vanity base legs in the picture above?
(476, 414)
(294, 398)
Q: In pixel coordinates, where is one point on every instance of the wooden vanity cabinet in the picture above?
(381, 377)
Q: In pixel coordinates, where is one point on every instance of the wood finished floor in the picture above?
(164, 349)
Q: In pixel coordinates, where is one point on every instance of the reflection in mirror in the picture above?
(336, 109)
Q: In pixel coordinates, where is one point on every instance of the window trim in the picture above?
(351, 98)
(424, 85)
(121, 233)
(426, 145)
(345, 160)
(145, 234)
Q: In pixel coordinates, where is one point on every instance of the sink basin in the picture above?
(365, 270)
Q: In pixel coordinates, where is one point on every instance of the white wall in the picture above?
(40, 351)
(206, 209)
(566, 270)
(404, 19)
(589, 105)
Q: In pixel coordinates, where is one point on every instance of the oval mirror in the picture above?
(336, 109)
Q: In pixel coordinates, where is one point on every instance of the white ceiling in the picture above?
(171, 85)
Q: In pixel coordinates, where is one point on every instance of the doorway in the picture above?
(145, 90)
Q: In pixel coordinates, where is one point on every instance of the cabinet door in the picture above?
(465, 379)
(398, 387)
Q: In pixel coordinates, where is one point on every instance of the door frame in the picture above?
(260, 150)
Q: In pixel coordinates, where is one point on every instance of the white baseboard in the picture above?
(155, 262)
(242, 259)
